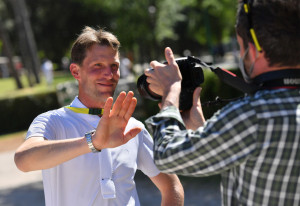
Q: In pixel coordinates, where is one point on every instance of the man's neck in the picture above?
(90, 103)
(270, 69)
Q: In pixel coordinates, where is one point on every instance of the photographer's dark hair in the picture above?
(277, 27)
(88, 38)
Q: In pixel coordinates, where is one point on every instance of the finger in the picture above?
(151, 79)
(159, 105)
(126, 103)
(170, 56)
(148, 72)
(131, 134)
(153, 82)
(196, 96)
(155, 89)
(155, 64)
(118, 104)
(107, 107)
(130, 109)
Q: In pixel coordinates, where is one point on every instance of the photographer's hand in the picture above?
(194, 117)
(165, 80)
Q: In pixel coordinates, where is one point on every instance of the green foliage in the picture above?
(18, 113)
(212, 88)
(20, 107)
(144, 27)
(212, 21)
(8, 88)
(167, 17)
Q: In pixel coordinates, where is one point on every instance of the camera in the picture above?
(192, 77)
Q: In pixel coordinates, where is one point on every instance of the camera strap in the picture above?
(228, 77)
(287, 78)
(234, 81)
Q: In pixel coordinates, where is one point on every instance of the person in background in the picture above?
(47, 68)
(125, 67)
(90, 150)
(254, 142)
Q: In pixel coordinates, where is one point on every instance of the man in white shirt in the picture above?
(87, 151)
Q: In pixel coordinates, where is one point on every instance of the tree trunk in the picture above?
(8, 52)
(26, 38)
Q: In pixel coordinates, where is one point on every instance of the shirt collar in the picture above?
(77, 103)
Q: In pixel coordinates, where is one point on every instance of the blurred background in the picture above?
(35, 42)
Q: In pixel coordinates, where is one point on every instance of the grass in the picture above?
(13, 135)
(8, 87)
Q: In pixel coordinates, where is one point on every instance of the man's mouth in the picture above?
(105, 84)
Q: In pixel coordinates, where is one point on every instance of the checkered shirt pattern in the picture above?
(253, 143)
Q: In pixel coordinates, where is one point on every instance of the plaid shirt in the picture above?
(253, 143)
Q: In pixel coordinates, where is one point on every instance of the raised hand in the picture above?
(110, 130)
(163, 76)
(165, 80)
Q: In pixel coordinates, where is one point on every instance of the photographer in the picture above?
(254, 142)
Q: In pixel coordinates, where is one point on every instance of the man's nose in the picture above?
(108, 73)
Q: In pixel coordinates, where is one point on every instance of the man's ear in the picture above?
(261, 63)
(253, 52)
(74, 68)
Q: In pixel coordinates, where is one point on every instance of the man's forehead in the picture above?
(103, 52)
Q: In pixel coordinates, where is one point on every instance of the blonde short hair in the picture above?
(88, 38)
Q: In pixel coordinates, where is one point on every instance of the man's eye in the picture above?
(115, 66)
(98, 65)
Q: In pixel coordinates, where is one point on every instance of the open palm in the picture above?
(110, 130)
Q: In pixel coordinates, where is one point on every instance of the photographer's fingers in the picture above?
(154, 64)
(148, 72)
(159, 105)
(154, 85)
(170, 56)
(196, 96)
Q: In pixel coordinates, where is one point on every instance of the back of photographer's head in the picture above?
(88, 38)
(275, 28)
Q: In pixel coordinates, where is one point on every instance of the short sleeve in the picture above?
(42, 126)
(145, 155)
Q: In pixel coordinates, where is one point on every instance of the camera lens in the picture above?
(143, 88)
(192, 77)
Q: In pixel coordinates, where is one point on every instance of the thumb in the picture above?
(170, 56)
(132, 133)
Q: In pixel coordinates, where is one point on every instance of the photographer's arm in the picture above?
(194, 118)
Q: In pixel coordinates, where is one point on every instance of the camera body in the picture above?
(192, 77)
